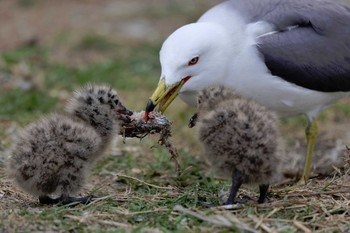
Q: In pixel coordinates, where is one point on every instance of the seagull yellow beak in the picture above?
(163, 96)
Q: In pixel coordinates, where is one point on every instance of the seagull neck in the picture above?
(246, 66)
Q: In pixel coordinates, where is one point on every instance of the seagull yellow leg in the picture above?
(311, 133)
(311, 136)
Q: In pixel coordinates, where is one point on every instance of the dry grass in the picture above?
(320, 206)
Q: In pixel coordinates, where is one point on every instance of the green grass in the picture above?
(96, 42)
(27, 3)
(139, 66)
(21, 106)
(142, 188)
(33, 54)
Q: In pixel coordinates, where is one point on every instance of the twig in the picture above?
(216, 219)
(164, 140)
(318, 193)
(86, 219)
(267, 216)
(201, 217)
(114, 224)
(77, 218)
(262, 225)
(272, 212)
(237, 222)
(145, 183)
(300, 226)
(98, 199)
(127, 213)
(279, 220)
(157, 124)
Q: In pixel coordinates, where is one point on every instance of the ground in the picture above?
(48, 48)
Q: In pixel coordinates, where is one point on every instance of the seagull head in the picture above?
(192, 58)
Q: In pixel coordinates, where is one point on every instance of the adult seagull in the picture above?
(292, 56)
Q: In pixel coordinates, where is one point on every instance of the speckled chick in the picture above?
(52, 156)
(240, 139)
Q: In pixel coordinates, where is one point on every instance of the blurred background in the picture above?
(49, 47)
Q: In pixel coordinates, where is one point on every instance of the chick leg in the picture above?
(236, 184)
(48, 200)
(65, 200)
(311, 135)
(263, 192)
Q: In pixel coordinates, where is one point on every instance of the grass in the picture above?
(95, 42)
(140, 189)
(22, 106)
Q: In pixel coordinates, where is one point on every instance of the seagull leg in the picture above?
(311, 135)
(237, 181)
(263, 192)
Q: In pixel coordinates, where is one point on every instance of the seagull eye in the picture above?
(193, 61)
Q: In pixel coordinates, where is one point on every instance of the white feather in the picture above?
(228, 56)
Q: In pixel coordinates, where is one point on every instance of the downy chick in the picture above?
(240, 139)
(52, 156)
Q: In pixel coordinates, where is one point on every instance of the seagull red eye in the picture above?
(193, 61)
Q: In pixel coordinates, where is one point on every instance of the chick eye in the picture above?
(193, 61)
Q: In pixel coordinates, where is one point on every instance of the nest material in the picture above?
(137, 127)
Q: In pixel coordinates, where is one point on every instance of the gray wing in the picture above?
(316, 53)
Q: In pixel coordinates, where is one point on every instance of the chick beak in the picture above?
(125, 111)
(163, 96)
(124, 115)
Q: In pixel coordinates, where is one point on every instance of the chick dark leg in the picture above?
(237, 181)
(65, 200)
(263, 193)
(48, 200)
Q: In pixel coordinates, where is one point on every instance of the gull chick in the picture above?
(52, 156)
(240, 139)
